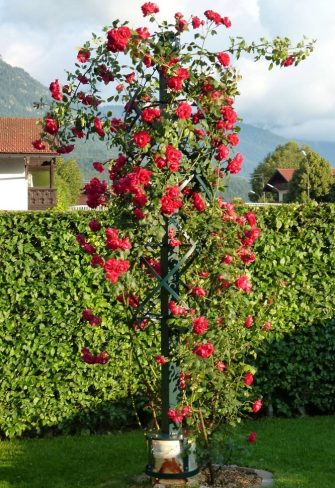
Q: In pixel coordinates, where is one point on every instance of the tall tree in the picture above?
(312, 180)
(288, 155)
(69, 182)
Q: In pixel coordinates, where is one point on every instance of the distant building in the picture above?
(26, 174)
(280, 181)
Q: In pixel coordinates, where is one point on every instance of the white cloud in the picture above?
(42, 37)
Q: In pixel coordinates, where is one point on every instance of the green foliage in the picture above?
(312, 180)
(284, 156)
(295, 275)
(68, 183)
(45, 284)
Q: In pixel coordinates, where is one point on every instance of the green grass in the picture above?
(300, 453)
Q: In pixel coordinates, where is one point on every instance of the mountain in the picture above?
(18, 92)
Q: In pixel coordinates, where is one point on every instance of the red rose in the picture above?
(175, 416)
(83, 55)
(226, 22)
(234, 166)
(143, 32)
(243, 283)
(200, 325)
(251, 218)
(94, 225)
(248, 378)
(98, 167)
(77, 133)
(204, 350)
(65, 149)
(184, 110)
(55, 90)
(257, 405)
(160, 359)
(183, 73)
(118, 39)
(249, 321)
(224, 58)
(222, 152)
(196, 22)
(114, 268)
(198, 291)
(267, 326)
(233, 139)
(51, 126)
(98, 127)
(141, 139)
(38, 144)
(172, 154)
(97, 261)
(147, 60)
(220, 366)
(175, 83)
(214, 16)
(149, 8)
(251, 437)
(288, 61)
(198, 202)
(149, 114)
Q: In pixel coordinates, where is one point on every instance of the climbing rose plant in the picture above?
(177, 143)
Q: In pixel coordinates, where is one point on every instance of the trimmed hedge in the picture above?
(45, 284)
(295, 273)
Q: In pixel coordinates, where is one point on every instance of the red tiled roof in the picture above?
(17, 134)
(287, 173)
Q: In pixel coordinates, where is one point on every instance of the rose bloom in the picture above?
(198, 202)
(97, 261)
(200, 325)
(224, 59)
(243, 283)
(160, 359)
(184, 110)
(257, 405)
(94, 225)
(234, 166)
(118, 39)
(221, 366)
(288, 61)
(226, 22)
(38, 144)
(251, 437)
(83, 55)
(143, 32)
(267, 326)
(214, 16)
(141, 139)
(248, 378)
(51, 126)
(227, 259)
(196, 22)
(149, 8)
(150, 113)
(98, 166)
(175, 83)
(233, 139)
(249, 321)
(204, 350)
(55, 90)
(198, 291)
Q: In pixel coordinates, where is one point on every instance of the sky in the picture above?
(43, 36)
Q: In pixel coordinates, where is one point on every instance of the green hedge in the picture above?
(45, 283)
(295, 274)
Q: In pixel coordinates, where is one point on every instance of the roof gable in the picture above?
(17, 134)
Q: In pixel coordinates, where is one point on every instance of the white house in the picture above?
(26, 174)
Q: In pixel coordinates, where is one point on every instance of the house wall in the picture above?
(13, 184)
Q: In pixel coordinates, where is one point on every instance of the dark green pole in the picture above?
(169, 337)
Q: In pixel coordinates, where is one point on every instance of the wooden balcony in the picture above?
(41, 198)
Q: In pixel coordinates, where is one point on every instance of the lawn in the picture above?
(300, 453)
